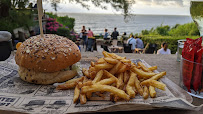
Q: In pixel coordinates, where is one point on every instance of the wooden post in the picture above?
(40, 14)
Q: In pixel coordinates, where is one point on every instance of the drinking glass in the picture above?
(180, 48)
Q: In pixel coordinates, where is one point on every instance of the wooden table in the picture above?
(166, 63)
(116, 49)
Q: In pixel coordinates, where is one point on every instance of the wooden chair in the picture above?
(141, 51)
(105, 47)
(152, 49)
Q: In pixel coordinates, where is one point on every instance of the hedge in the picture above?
(172, 41)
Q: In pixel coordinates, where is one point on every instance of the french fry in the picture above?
(113, 55)
(111, 76)
(98, 77)
(131, 81)
(107, 81)
(145, 75)
(138, 67)
(66, 86)
(123, 69)
(103, 66)
(101, 60)
(106, 54)
(152, 92)
(130, 85)
(91, 69)
(144, 68)
(156, 77)
(85, 72)
(138, 86)
(75, 80)
(83, 99)
(111, 60)
(85, 79)
(116, 68)
(89, 95)
(120, 80)
(98, 87)
(76, 94)
(119, 57)
(92, 63)
(152, 68)
(92, 74)
(87, 83)
(126, 61)
(126, 77)
(69, 84)
(133, 64)
(80, 85)
(146, 92)
(155, 83)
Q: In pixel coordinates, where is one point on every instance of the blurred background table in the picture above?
(116, 49)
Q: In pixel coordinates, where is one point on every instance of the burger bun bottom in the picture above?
(32, 76)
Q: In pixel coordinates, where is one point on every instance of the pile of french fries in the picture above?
(117, 75)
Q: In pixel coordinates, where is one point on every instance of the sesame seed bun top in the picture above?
(49, 54)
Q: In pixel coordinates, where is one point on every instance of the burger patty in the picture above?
(45, 78)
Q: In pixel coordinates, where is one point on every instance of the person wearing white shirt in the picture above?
(132, 41)
(164, 50)
(139, 43)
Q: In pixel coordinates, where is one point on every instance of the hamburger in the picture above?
(47, 60)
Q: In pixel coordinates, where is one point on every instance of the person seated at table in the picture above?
(106, 34)
(139, 43)
(132, 41)
(164, 49)
(124, 38)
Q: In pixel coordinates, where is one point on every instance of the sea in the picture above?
(132, 24)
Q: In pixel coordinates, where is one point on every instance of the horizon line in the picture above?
(118, 14)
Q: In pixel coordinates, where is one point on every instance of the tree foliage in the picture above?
(16, 15)
(119, 5)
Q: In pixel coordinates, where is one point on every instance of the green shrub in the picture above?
(163, 30)
(188, 29)
(170, 40)
(67, 21)
(62, 31)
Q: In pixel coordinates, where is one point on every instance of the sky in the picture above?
(154, 7)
